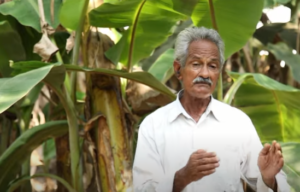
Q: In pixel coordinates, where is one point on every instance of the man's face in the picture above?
(203, 60)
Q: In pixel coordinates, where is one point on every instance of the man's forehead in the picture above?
(199, 57)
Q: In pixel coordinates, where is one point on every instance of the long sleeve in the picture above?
(148, 172)
(250, 171)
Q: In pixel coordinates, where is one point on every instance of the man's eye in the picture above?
(213, 66)
(196, 64)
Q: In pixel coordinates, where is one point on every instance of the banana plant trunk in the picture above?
(112, 131)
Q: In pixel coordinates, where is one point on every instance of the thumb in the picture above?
(266, 149)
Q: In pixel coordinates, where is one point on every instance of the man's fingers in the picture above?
(206, 155)
(208, 172)
(211, 160)
(208, 167)
(278, 153)
(266, 149)
(200, 151)
(278, 147)
(273, 147)
(280, 163)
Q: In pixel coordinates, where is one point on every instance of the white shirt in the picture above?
(168, 137)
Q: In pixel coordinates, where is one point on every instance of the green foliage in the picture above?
(234, 88)
(283, 52)
(18, 182)
(13, 49)
(292, 164)
(259, 96)
(150, 23)
(272, 3)
(23, 146)
(27, 12)
(287, 32)
(141, 77)
(235, 23)
(163, 15)
(49, 150)
(162, 69)
(24, 111)
(70, 13)
(14, 88)
(61, 40)
(143, 34)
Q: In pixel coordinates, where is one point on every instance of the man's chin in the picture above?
(202, 94)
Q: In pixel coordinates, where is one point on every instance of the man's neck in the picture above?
(195, 107)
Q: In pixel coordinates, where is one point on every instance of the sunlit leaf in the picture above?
(239, 16)
(273, 107)
(141, 77)
(27, 12)
(144, 36)
(292, 163)
(14, 88)
(70, 13)
(162, 65)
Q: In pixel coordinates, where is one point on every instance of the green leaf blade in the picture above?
(153, 16)
(23, 146)
(162, 65)
(13, 89)
(232, 15)
(71, 13)
(11, 47)
(259, 96)
(27, 12)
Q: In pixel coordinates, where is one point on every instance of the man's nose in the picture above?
(204, 72)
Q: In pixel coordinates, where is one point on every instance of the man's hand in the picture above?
(270, 162)
(200, 164)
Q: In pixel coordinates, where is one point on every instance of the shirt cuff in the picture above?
(282, 185)
(165, 184)
(261, 186)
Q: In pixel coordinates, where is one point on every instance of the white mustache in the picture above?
(202, 80)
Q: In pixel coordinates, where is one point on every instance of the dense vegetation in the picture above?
(73, 96)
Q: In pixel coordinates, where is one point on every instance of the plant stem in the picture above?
(248, 59)
(26, 172)
(73, 137)
(60, 60)
(212, 15)
(215, 26)
(220, 87)
(76, 49)
(130, 54)
(57, 54)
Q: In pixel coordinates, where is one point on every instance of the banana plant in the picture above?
(148, 21)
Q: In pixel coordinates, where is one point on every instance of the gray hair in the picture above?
(187, 36)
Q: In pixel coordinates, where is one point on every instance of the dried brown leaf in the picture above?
(70, 42)
(45, 48)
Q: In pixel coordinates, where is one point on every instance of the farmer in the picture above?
(199, 144)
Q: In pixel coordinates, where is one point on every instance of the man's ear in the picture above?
(177, 69)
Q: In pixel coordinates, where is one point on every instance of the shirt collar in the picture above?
(177, 109)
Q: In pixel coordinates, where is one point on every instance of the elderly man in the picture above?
(199, 144)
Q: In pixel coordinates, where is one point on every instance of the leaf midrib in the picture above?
(279, 112)
(293, 170)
